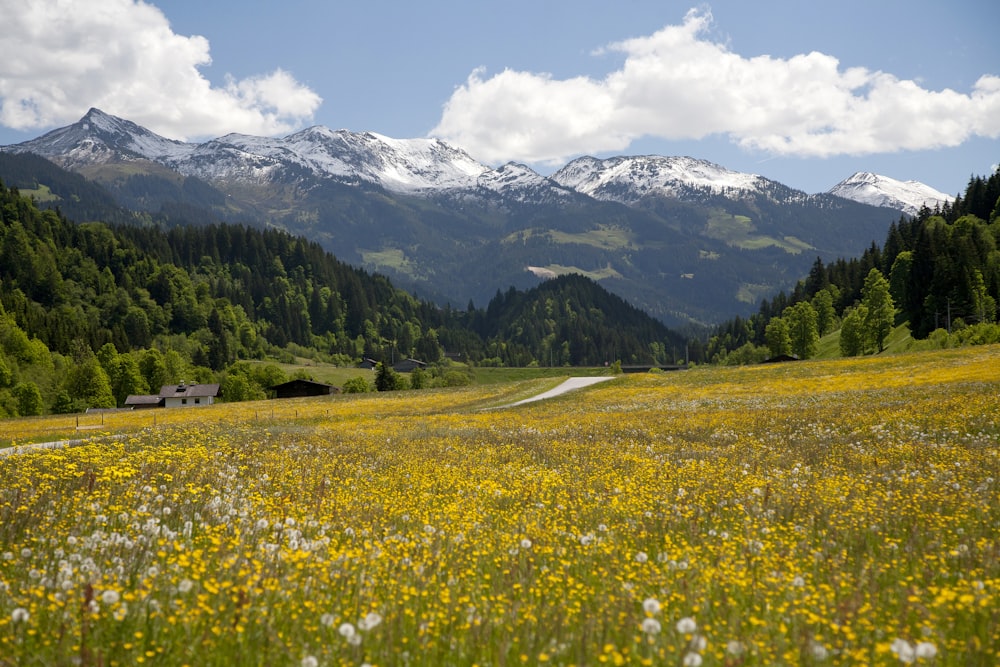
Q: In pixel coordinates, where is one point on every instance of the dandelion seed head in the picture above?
(651, 606)
(691, 660)
(651, 626)
(19, 615)
(370, 620)
(110, 597)
(686, 626)
(347, 630)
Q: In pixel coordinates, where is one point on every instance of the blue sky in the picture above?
(801, 92)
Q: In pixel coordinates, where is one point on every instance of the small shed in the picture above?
(183, 395)
(408, 365)
(299, 388)
(368, 364)
(780, 358)
(143, 401)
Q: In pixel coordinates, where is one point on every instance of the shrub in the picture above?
(357, 385)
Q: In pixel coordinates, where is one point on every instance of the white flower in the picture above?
(651, 626)
(327, 620)
(798, 581)
(110, 597)
(526, 543)
(925, 650)
(651, 606)
(346, 630)
(819, 652)
(309, 661)
(262, 525)
(370, 620)
(19, 615)
(641, 557)
(903, 650)
(185, 586)
(735, 647)
(686, 626)
(691, 660)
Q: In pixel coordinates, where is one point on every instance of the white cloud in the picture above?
(62, 57)
(678, 84)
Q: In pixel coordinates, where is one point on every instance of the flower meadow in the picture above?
(818, 513)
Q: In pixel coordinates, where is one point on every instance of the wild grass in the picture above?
(835, 512)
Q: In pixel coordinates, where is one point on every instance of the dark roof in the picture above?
(188, 390)
(298, 382)
(141, 399)
(780, 358)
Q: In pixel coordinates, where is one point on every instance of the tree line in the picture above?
(91, 311)
(937, 272)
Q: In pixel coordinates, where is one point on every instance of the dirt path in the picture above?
(568, 385)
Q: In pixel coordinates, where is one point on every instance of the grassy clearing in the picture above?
(834, 512)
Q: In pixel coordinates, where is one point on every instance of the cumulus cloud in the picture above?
(678, 84)
(62, 57)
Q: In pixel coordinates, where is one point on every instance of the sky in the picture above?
(804, 93)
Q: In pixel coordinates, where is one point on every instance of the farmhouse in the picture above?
(178, 395)
(299, 388)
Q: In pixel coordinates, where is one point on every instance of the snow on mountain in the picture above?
(99, 137)
(400, 165)
(430, 166)
(628, 179)
(906, 196)
(522, 184)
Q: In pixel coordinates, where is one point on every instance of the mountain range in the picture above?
(684, 239)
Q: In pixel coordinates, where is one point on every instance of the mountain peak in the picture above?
(629, 178)
(877, 190)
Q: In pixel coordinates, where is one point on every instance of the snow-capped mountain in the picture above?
(431, 167)
(398, 165)
(685, 239)
(875, 190)
(99, 138)
(629, 179)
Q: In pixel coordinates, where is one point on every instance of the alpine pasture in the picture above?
(839, 512)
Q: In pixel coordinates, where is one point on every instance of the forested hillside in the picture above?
(937, 271)
(92, 312)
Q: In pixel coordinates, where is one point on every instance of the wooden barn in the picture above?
(300, 388)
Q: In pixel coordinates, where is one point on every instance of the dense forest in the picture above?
(127, 306)
(937, 272)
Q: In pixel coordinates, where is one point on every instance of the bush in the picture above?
(357, 385)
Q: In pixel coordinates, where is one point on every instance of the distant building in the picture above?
(183, 395)
(368, 364)
(781, 358)
(143, 402)
(300, 388)
(408, 365)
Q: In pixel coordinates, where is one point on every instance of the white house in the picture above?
(183, 395)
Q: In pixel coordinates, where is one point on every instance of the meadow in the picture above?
(839, 512)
